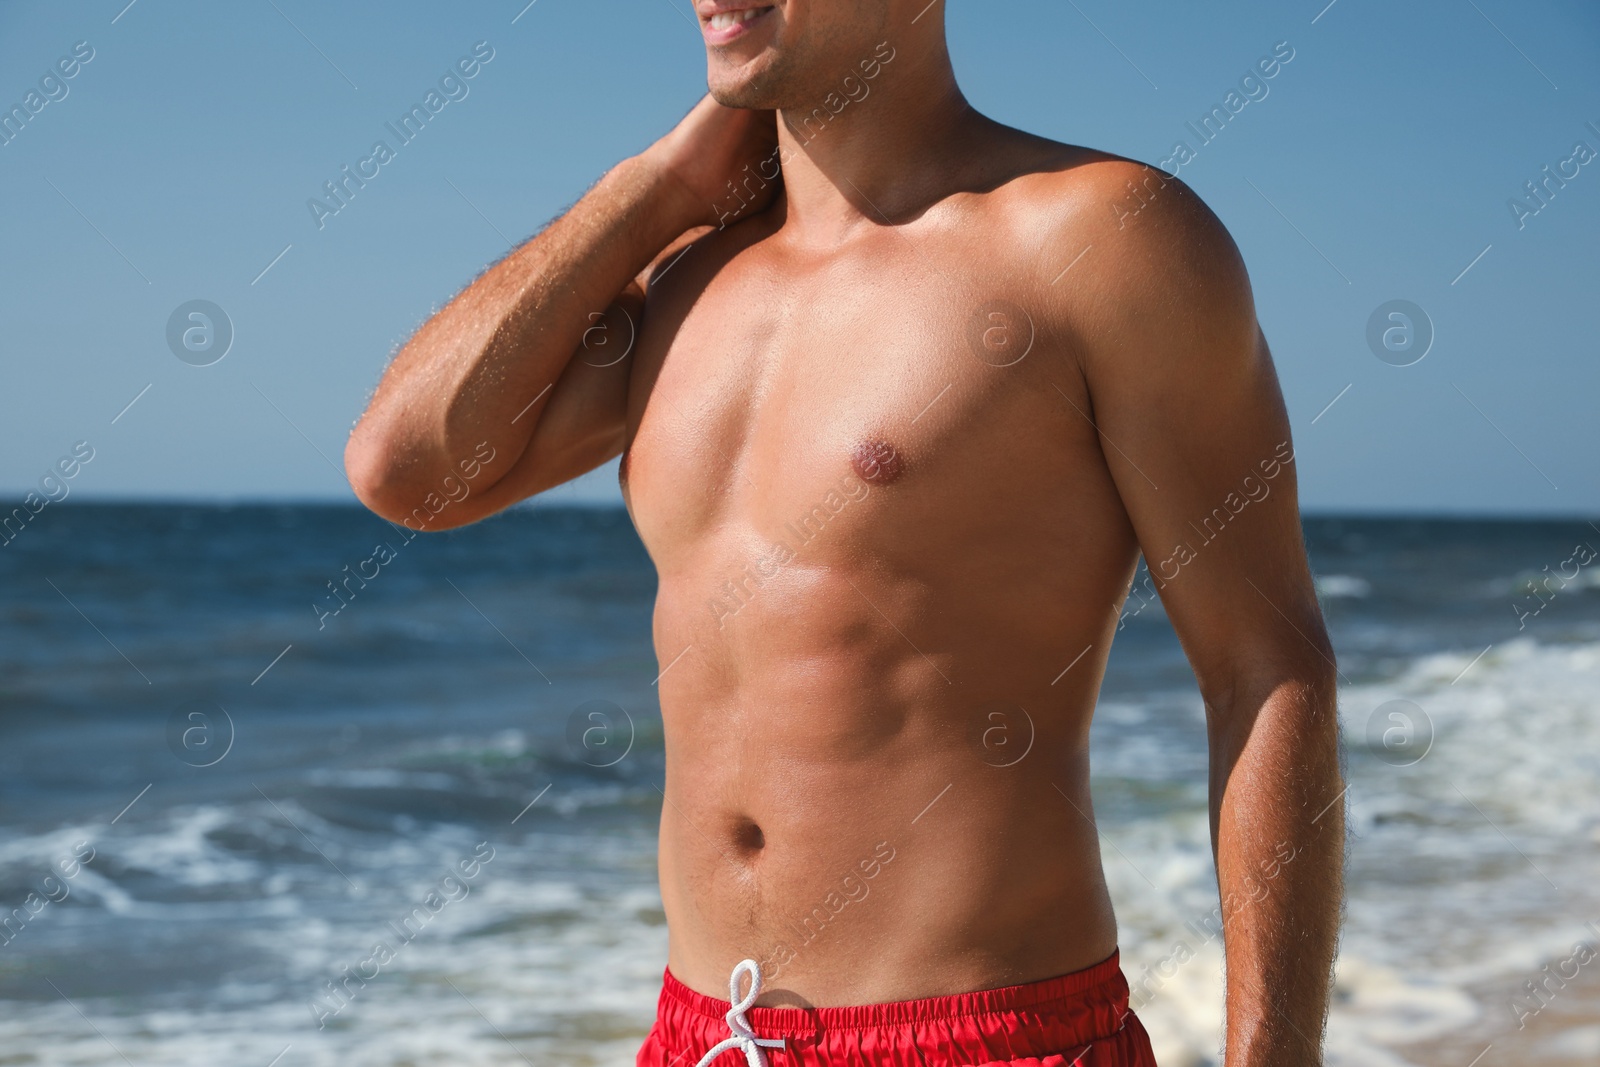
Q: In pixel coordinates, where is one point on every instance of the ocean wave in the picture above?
(1342, 585)
(1455, 856)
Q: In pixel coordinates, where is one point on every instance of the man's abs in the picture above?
(866, 830)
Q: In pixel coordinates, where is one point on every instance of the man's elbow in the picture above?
(374, 469)
(1291, 685)
(400, 483)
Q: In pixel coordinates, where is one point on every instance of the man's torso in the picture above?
(891, 560)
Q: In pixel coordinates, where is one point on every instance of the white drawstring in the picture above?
(743, 1037)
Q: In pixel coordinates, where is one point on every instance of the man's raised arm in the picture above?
(494, 372)
(1194, 430)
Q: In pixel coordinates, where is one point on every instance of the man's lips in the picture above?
(725, 23)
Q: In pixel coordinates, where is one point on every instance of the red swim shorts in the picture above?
(1074, 1020)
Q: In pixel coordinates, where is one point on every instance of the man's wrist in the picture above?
(669, 201)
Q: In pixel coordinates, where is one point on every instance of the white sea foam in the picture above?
(556, 953)
(1452, 858)
(1342, 585)
(1578, 1043)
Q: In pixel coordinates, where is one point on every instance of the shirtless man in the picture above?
(901, 395)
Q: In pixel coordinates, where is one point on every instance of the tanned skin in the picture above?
(989, 372)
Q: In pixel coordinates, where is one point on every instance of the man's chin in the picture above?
(747, 86)
(738, 96)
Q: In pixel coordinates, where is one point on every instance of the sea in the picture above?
(280, 786)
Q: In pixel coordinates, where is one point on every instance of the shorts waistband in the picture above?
(1102, 986)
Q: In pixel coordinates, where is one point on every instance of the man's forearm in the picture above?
(1277, 818)
(472, 371)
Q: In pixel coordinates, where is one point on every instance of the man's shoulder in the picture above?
(1064, 193)
(1112, 234)
(1113, 253)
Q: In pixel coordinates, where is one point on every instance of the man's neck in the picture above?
(876, 158)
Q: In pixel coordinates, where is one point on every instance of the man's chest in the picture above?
(772, 397)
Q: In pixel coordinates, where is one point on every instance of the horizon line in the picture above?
(549, 499)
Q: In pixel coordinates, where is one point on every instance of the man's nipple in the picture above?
(877, 462)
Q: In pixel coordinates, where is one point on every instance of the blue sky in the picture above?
(175, 165)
